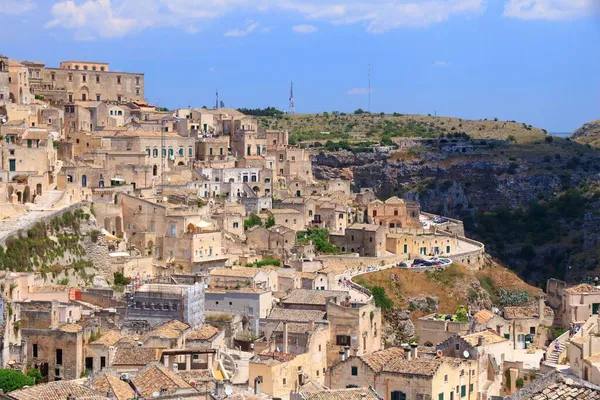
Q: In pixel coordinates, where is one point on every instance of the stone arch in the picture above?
(26, 194)
(180, 163)
(231, 180)
(101, 183)
(395, 224)
(155, 170)
(107, 225)
(256, 189)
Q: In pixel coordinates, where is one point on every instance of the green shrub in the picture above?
(120, 279)
(13, 380)
(35, 374)
(254, 220)
(270, 222)
(94, 235)
(319, 238)
(381, 298)
(263, 263)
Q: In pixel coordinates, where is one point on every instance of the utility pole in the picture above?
(217, 100)
(292, 107)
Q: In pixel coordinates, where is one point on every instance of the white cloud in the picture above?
(243, 32)
(550, 9)
(358, 91)
(116, 18)
(14, 7)
(305, 29)
(441, 63)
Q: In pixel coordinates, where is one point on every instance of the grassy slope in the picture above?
(372, 126)
(589, 134)
(452, 286)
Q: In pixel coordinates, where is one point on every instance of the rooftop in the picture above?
(136, 355)
(293, 315)
(111, 384)
(531, 311)
(342, 394)
(272, 358)
(168, 330)
(489, 337)
(237, 272)
(204, 333)
(557, 386)
(109, 338)
(54, 391)
(155, 378)
(583, 288)
(379, 359)
(483, 316)
(312, 297)
(276, 211)
(365, 227)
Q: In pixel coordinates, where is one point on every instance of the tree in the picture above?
(381, 298)
(120, 279)
(254, 220)
(221, 104)
(35, 374)
(13, 380)
(270, 222)
(462, 315)
(359, 111)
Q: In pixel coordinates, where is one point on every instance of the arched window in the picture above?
(154, 170)
(101, 184)
(181, 152)
(148, 151)
(84, 181)
(155, 153)
(171, 152)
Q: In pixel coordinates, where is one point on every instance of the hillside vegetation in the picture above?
(588, 134)
(364, 126)
(445, 291)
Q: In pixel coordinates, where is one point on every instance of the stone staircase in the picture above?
(553, 358)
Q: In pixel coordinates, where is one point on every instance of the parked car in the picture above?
(371, 269)
(440, 220)
(418, 261)
(401, 265)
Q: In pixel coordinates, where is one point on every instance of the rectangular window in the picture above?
(471, 388)
(97, 97)
(463, 390)
(354, 371)
(89, 363)
(102, 362)
(35, 350)
(118, 80)
(447, 249)
(342, 340)
(441, 396)
(83, 78)
(398, 395)
(405, 248)
(59, 359)
(173, 230)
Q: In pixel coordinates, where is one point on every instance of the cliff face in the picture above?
(588, 134)
(468, 179)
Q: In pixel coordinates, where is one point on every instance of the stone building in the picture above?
(368, 240)
(303, 299)
(4, 81)
(574, 304)
(354, 327)
(397, 373)
(18, 78)
(526, 323)
(84, 81)
(394, 213)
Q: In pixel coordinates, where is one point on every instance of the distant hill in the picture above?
(588, 134)
(361, 127)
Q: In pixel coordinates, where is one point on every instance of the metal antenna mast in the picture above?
(217, 100)
(292, 108)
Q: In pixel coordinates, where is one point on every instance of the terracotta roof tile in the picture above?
(312, 297)
(109, 338)
(136, 355)
(156, 378)
(293, 315)
(204, 333)
(341, 394)
(167, 330)
(111, 384)
(379, 359)
(583, 288)
(483, 316)
(54, 391)
(489, 337)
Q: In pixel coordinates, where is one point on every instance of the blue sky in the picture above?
(533, 61)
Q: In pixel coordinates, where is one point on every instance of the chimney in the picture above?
(311, 325)
(363, 396)
(346, 352)
(257, 385)
(480, 341)
(406, 348)
(342, 355)
(285, 337)
(413, 351)
(220, 389)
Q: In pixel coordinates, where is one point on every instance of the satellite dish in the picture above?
(155, 394)
(439, 353)
(228, 390)
(466, 354)
(278, 349)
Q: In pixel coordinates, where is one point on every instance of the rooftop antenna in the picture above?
(292, 108)
(217, 100)
(369, 88)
